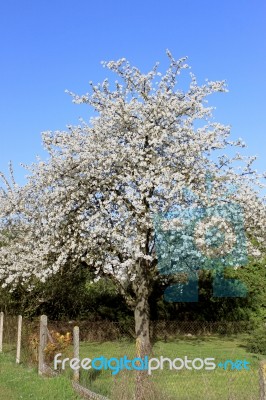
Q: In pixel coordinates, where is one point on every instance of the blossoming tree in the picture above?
(93, 201)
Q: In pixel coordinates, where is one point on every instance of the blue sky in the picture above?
(49, 46)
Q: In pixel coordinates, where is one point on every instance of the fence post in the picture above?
(76, 350)
(1, 330)
(19, 339)
(263, 380)
(42, 344)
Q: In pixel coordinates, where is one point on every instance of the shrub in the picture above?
(56, 343)
(257, 343)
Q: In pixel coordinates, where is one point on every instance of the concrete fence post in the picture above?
(1, 330)
(42, 344)
(263, 380)
(19, 339)
(76, 350)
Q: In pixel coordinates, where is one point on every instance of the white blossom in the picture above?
(95, 198)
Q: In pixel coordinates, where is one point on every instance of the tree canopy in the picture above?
(94, 200)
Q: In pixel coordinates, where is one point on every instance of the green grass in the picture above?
(184, 384)
(19, 382)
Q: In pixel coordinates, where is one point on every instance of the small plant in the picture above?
(33, 347)
(57, 343)
(257, 343)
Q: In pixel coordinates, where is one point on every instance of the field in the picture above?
(185, 384)
(22, 382)
(19, 382)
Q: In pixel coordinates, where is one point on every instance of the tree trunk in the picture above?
(142, 321)
(143, 346)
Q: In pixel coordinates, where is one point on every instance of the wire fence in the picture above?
(179, 353)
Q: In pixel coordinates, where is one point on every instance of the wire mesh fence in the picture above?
(177, 360)
(29, 339)
(21, 381)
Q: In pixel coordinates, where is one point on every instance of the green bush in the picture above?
(257, 343)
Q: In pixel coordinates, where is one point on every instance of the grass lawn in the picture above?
(18, 382)
(21, 382)
(184, 384)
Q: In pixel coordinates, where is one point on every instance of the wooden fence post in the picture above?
(1, 330)
(19, 339)
(42, 344)
(263, 380)
(76, 350)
